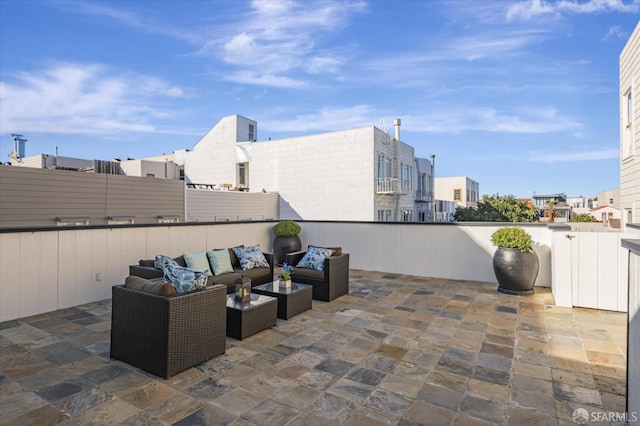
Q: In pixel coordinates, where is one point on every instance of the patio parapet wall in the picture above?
(44, 269)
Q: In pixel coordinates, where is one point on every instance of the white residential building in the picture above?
(463, 191)
(579, 202)
(361, 174)
(630, 129)
(609, 197)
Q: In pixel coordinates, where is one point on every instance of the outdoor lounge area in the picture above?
(397, 349)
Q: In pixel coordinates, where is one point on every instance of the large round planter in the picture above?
(283, 245)
(516, 271)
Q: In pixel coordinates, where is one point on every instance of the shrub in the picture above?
(513, 237)
(583, 217)
(286, 228)
(497, 208)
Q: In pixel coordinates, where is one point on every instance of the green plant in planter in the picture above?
(513, 237)
(514, 262)
(286, 228)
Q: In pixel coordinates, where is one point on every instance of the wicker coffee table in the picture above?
(291, 301)
(245, 319)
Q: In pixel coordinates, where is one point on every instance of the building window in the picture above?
(457, 195)
(407, 215)
(384, 167)
(243, 175)
(252, 135)
(384, 215)
(407, 177)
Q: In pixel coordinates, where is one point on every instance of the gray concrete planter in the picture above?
(516, 271)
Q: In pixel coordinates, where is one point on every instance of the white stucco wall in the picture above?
(328, 176)
(213, 158)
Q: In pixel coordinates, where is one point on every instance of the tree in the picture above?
(496, 208)
(583, 217)
(551, 208)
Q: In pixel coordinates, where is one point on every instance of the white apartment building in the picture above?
(361, 174)
(630, 129)
(463, 191)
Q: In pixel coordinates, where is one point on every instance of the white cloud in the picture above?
(550, 158)
(615, 32)
(592, 6)
(530, 9)
(325, 119)
(140, 21)
(82, 99)
(464, 119)
(279, 42)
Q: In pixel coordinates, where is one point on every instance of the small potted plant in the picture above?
(287, 270)
(287, 240)
(515, 263)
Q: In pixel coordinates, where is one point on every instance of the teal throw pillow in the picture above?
(220, 261)
(198, 261)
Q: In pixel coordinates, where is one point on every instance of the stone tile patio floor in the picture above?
(397, 350)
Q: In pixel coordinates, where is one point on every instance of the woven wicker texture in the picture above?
(166, 335)
(336, 276)
(289, 303)
(242, 323)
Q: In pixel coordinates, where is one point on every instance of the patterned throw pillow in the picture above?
(220, 261)
(251, 257)
(183, 279)
(314, 258)
(162, 261)
(198, 261)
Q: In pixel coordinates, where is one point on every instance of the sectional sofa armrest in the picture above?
(294, 258)
(270, 259)
(335, 266)
(147, 272)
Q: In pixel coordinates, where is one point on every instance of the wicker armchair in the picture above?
(166, 335)
(327, 285)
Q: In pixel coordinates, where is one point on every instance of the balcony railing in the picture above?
(388, 186)
(422, 195)
(393, 186)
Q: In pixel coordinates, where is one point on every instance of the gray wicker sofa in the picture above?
(145, 269)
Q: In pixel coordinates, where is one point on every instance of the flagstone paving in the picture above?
(397, 350)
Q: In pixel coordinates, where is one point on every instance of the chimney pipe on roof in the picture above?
(396, 124)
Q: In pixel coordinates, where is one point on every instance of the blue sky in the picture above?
(521, 96)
